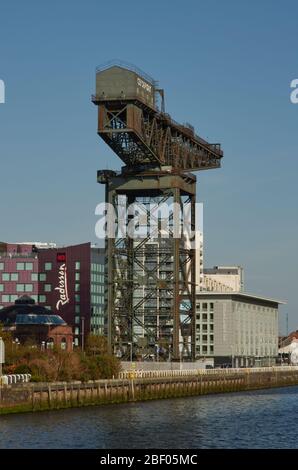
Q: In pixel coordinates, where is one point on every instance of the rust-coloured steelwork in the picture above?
(150, 298)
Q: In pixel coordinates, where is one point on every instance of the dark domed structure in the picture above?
(29, 321)
(24, 309)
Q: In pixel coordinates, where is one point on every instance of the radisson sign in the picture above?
(62, 282)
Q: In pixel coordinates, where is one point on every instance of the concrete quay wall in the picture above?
(46, 396)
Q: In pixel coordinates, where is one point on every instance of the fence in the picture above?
(14, 379)
(142, 374)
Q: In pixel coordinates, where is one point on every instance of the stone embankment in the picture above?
(134, 386)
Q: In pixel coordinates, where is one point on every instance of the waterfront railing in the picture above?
(142, 374)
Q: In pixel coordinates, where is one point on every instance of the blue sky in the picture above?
(226, 67)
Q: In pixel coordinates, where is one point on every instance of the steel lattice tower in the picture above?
(151, 285)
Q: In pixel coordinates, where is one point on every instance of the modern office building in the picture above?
(67, 280)
(223, 279)
(236, 329)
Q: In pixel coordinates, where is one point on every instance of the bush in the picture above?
(59, 365)
(23, 369)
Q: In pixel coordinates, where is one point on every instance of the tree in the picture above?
(96, 345)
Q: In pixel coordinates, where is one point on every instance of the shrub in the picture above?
(23, 369)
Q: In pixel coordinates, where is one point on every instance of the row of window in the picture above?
(20, 266)
(6, 277)
(204, 327)
(99, 278)
(97, 268)
(28, 266)
(97, 321)
(27, 287)
(205, 306)
(11, 298)
(205, 316)
(245, 306)
(97, 289)
(98, 310)
(209, 338)
(205, 349)
(97, 299)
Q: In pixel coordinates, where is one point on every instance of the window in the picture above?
(78, 265)
(1, 287)
(5, 277)
(1, 266)
(48, 266)
(48, 287)
(77, 330)
(205, 316)
(14, 276)
(28, 287)
(42, 298)
(77, 309)
(28, 266)
(77, 288)
(211, 316)
(20, 266)
(77, 319)
(211, 349)
(78, 277)
(42, 277)
(77, 298)
(204, 349)
(20, 287)
(204, 337)
(204, 327)
(34, 277)
(211, 306)
(6, 298)
(205, 306)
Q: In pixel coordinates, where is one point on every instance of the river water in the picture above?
(259, 419)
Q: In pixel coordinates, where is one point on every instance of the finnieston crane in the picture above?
(151, 281)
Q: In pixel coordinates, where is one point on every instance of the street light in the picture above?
(83, 333)
(170, 353)
(130, 344)
(157, 352)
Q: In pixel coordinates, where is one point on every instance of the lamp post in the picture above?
(83, 333)
(130, 344)
(157, 353)
(2, 360)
